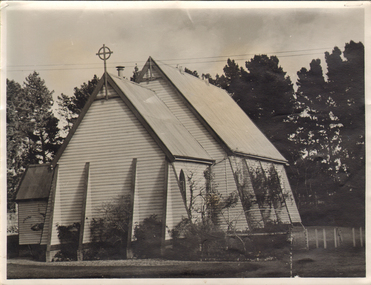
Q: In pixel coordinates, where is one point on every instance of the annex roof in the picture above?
(165, 125)
(222, 114)
(36, 182)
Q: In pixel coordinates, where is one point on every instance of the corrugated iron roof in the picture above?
(222, 114)
(167, 127)
(36, 182)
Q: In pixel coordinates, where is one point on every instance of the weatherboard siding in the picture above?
(30, 213)
(109, 137)
(49, 210)
(232, 217)
(238, 167)
(288, 195)
(110, 93)
(223, 174)
(280, 211)
(194, 177)
(175, 208)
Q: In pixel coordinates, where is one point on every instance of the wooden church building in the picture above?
(147, 139)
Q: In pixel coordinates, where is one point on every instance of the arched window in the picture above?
(182, 185)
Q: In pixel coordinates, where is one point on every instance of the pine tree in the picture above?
(32, 129)
(70, 106)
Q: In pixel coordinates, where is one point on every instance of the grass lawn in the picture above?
(314, 263)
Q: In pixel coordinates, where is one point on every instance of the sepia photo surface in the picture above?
(184, 142)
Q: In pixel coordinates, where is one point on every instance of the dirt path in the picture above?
(313, 263)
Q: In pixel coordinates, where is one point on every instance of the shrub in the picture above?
(110, 231)
(69, 239)
(148, 236)
(271, 245)
(197, 240)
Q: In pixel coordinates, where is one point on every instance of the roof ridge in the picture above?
(131, 82)
(195, 77)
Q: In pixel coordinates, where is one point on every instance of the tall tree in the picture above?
(43, 131)
(15, 138)
(346, 82)
(317, 134)
(71, 106)
(330, 132)
(269, 91)
(265, 94)
(32, 129)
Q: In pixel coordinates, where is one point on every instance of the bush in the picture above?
(205, 241)
(109, 233)
(197, 240)
(148, 236)
(69, 239)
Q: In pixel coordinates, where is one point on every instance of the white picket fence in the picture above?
(328, 237)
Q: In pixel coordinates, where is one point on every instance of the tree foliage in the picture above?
(32, 129)
(320, 128)
(109, 230)
(330, 131)
(194, 73)
(70, 106)
(317, 135)
(264, 92)
(135, 74)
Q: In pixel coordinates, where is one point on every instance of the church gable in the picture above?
(155, 144)
(151, 77)
(108, 137)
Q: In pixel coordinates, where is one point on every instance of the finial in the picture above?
(102, 51)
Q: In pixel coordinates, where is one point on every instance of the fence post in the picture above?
(354, 237)
(324, 239)
(307, 238)
(316, 233)
(291, 239)
(360, 236)
(335, 238)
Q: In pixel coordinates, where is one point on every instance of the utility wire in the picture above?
(183, 61)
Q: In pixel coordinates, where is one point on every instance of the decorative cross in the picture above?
(102, 51)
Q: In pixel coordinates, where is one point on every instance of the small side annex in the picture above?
(32, 198)
(145, 140)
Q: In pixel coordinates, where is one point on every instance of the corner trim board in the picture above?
(132, 195)
(166, 185)
(52, 193)
(83, 210)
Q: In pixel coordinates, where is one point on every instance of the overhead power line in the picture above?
(194, 60)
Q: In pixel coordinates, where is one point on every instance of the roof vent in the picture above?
(120, 70)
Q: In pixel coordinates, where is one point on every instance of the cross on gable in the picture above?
(105, 51)
(102, 51)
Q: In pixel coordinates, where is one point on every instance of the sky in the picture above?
(60, 41)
